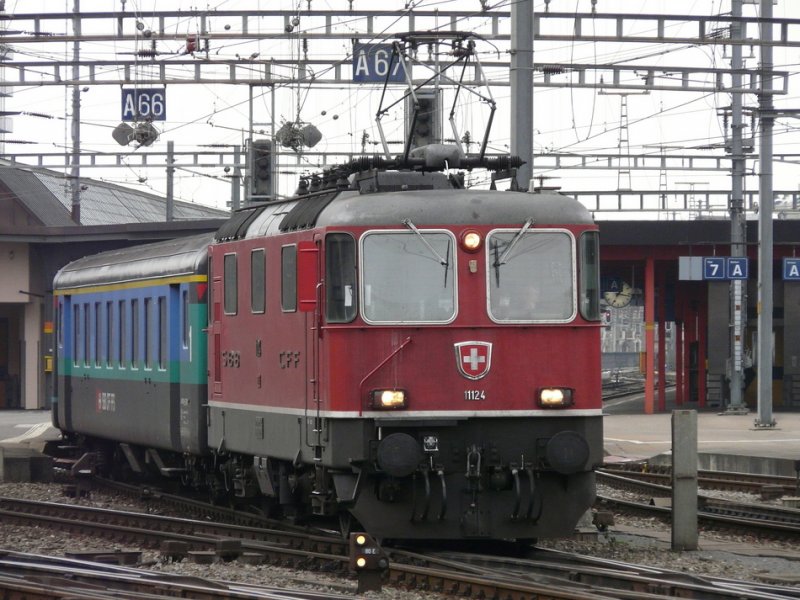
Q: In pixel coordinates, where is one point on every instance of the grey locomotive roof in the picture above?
(458, 207)
(182, 256)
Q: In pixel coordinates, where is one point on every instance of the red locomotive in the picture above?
(425, 357)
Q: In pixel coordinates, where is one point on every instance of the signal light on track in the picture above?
(368, 560)
(423, 119)
(261, 168)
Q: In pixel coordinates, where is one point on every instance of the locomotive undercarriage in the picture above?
(489, 478)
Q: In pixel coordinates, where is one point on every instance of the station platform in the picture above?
(725, 442)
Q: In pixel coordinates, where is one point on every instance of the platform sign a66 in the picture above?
(144, 104)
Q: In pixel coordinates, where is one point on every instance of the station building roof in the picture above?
(43, 198)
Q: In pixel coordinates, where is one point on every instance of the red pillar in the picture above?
(662, 342)
(702, 335)
(689, 337)
(680, 363)
(649, 334)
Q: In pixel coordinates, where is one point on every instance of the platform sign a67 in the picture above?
(144, 104)
(371, 63)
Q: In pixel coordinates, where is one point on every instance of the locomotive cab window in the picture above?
(590, 276)
(408, 277)
(340, 278)
(531, 276)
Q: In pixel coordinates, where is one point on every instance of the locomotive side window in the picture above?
(531, 276)
(258, 265)
(289, 278)
(408, 277)
(590, 276)
(340, 276)
(230, 285)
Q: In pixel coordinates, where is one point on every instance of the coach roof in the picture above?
(171, 258)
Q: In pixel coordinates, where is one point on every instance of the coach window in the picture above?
(148, 333)
(408, 277)
(97, 324)
(185, 319)
(109, 333)
(135, 333)
(258, 265)
(230, 283)
(530, 276)
(340, 278)
(87, 335)
(76, 329)
(289, 278)
(161, 355)
(60, 318)
(590, 276)
(123, 334)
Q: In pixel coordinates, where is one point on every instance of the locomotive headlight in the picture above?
(389, 399)
(555, 397)
(471, 241)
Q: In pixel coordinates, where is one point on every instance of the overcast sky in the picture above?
(565, 120)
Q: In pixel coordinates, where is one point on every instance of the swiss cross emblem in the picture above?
(474, 359)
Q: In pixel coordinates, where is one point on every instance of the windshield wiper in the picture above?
(412, 227)
(504, 258)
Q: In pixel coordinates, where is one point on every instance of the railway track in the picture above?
(717, 480)
(34, 576)
(543, 574)
(616, 579)
(763, 520)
